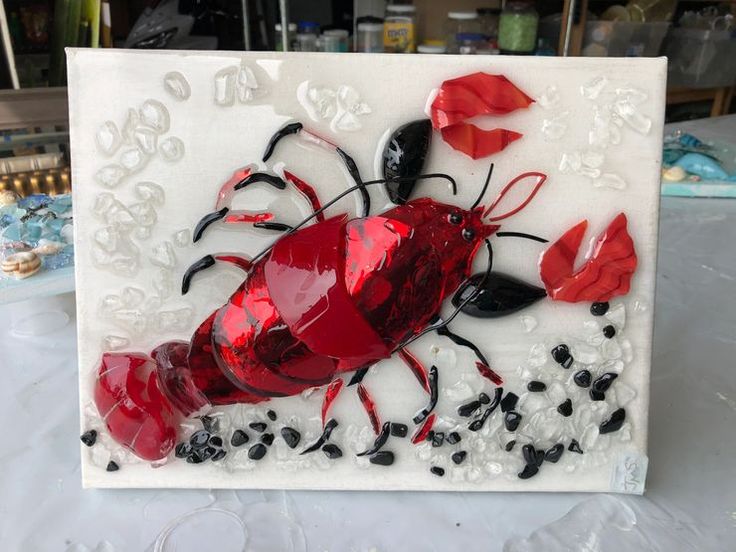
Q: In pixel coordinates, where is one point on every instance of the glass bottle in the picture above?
(517, 29)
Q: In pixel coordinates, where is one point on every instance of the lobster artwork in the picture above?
(335, 295)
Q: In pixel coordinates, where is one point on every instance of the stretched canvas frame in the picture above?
(155, 135)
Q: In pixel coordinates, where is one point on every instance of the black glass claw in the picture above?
(272, 179)
(291, 128)
(202, 264)
(277, 226)
(206, 220)
(500, 295)
(404, 158)
(355, 174)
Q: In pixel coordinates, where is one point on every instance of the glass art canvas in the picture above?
(365, 271)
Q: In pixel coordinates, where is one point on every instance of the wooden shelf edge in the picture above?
(33, 107)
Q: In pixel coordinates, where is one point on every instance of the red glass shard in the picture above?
(421, 434)
(228, 188)
(417, 368)
(207, 375)
(237, 260)
(304, 275)
(245, 216)
(370, 408)
(175, 378)
(606, 274)
(475, 94)
(137, 414)
(487, 373)
(308, 192)
(476, 142)
(333, 390)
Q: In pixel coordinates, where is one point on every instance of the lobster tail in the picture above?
(605, 274)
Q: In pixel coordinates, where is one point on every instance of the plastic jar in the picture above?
(458, 22)
(306, 42)
(336, 38)
(489, 18)
(370, 37)
(399, 29)
(292, 37)
(470, 43)
(517, 29)
(432, 49)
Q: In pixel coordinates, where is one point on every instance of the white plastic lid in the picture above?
(292, 26)
(336, 32)
(401, 8)
(462, 15)
(431, 49)
(367, 26)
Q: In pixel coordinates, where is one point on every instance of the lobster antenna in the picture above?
(460, 307)
(483, 190)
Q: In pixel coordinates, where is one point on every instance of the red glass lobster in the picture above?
(339, 295)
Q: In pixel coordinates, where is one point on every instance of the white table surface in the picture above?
(690, 503)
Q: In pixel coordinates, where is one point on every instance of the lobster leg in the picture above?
(239, 180)
(348, 161)
(482, 363)
(209, 261)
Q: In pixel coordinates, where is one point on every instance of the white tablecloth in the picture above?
(690, 503)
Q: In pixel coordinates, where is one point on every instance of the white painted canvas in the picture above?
(155, 135)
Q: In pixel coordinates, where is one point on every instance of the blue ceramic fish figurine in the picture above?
(703, 166)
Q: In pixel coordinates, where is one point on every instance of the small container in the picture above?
(470, 43)
(489, 18)
(306, 42)
(341, 37)
(517, 29)
(399, 29)
(292, 37)
(370, 37)
(432, 49)
(458, 22)
(308, 27)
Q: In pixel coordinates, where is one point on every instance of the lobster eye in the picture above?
(468, 234)
(455, 218)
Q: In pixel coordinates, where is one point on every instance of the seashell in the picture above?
(674, 174)
(8, 197)
(48, 248)
(21, 265)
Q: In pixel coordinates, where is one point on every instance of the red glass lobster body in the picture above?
(334, 297)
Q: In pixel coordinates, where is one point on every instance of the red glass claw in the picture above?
(333, 390)
(476, 94)
(606, 274)
(487, 373)
(423, 431)
(137, 414)
(370, 408)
